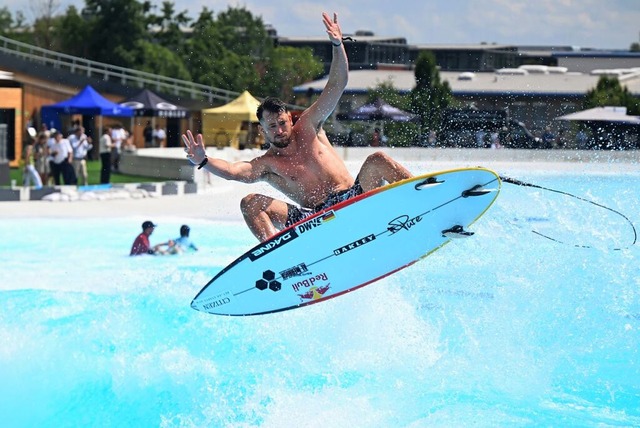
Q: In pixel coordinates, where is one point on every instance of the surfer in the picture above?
(300, 161)
(183, 243)
(141, 243)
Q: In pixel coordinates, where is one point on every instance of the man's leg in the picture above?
(379, 168)
(105, 170)
(83, 172)
(264, 215)
(55, 172)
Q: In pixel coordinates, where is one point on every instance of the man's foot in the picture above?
(456, 232)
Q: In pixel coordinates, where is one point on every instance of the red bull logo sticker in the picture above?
(315, 293)
(316, 286)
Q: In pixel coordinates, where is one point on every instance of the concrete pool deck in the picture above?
(217, 199)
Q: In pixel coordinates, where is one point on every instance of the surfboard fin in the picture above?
(456, 232)
(429, 182)
(477, 190)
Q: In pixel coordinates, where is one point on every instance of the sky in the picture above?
(600, 24)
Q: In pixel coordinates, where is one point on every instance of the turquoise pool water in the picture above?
(503, 329)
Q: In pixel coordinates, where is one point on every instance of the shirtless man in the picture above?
(300, 162)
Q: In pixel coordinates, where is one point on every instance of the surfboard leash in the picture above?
(525, 184)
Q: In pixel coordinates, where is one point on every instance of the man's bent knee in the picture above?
(253, 204)
(263, 214)
(378, 157)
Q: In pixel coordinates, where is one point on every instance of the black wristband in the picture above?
(203, 163)
(335, 44)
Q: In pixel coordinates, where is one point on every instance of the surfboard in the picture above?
(351, 244)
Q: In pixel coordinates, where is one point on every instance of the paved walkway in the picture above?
(221, 199)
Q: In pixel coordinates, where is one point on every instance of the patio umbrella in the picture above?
(150, 104)
(378, 111)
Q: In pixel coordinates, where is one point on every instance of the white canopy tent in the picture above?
(603, 114)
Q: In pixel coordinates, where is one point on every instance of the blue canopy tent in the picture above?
(87, 102)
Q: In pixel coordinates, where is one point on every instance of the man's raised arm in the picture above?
(338, 76)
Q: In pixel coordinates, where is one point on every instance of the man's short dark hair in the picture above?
(273, 105)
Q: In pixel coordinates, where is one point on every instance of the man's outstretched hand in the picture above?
(333, 28)
(194, 147)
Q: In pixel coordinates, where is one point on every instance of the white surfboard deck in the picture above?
(350, 245)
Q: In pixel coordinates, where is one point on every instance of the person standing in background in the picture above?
(105, 155)
(29, 174)
(581, 139)
(40, 157)
(61, 153)
(159, 137)
(118, 137)
(376, 138)
(548, 138)
(81, 145)
(148, 135)
(51, 141)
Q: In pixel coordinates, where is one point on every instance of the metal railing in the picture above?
(107, 72)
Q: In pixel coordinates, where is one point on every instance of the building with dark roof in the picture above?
(534, 95)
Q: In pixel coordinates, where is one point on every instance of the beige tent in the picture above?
(233, 124)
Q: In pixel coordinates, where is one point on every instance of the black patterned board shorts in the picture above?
(295, 213)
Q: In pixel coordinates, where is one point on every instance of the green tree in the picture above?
(244, 34)
(44, 25)
(430, 96)
(211, 63)
(389, 93)
(397, 133)
(9, 23)
(6, 21)
(286, 68)
(200, 49)
(114, 26)
(167, 27)
(156, 59)
(635, 47)
(609, 92)
(72, 32)
(130, 39)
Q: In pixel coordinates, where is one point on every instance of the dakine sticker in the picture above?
(270, 245)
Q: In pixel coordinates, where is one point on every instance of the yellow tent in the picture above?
(233, 124)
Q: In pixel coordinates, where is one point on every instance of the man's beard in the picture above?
(281, 144)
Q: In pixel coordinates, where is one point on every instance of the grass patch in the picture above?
(93, 170)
